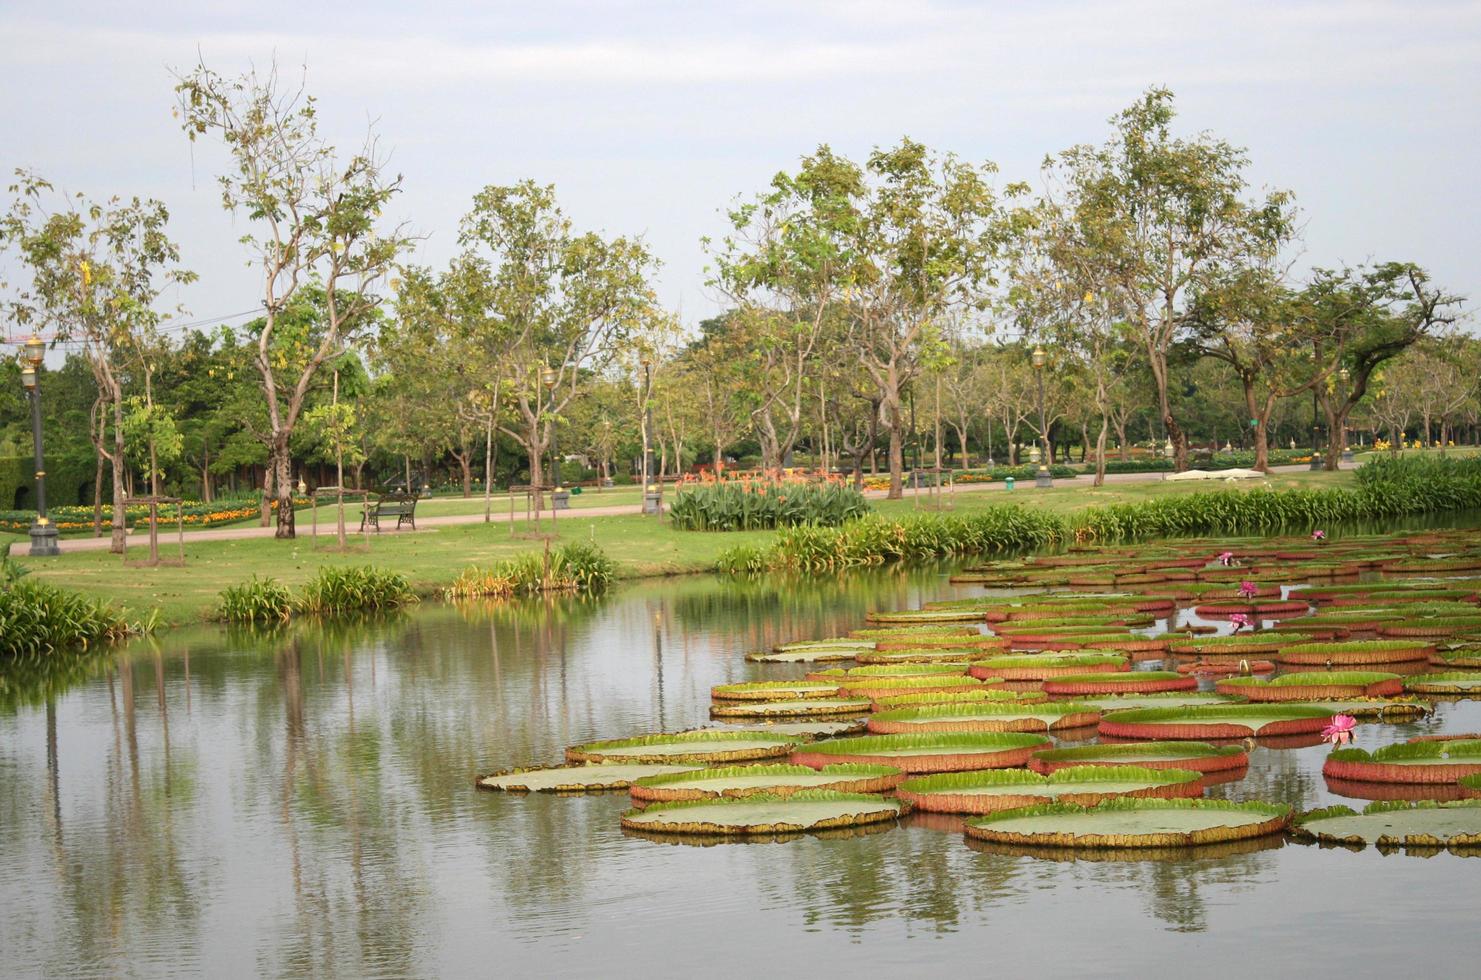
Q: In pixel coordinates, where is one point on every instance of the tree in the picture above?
(1160, 215)
(789, 259)
(95, 272)
(318, 220)
(567, 302)
(924, 243)
(1360, 319)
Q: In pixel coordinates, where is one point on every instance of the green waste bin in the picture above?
(1008, 483)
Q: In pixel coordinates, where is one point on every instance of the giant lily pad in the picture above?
(1355, 653)
(841, 676)
(1216, 721)
(1173, 699)
(1132, 823)
(774, 690)
(1396, 824)
(1198, 756)
(921, 655)
(1447, 682)
(926, 616)
(1407, 762)
(975, 696)
(991, 790)
(798, 708)
(1237, 645)
(1314, 686)
(926, 753)
(809, 655)
(1038, 666)
(984, 717)
(805, 810)
(1467, 657)
(1126, 682)
(1430, 626)
(576, 778)
(709, 746)
(781, 779)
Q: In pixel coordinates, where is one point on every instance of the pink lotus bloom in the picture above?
(1339, 731)
(1226, 558)
(1318, 535)
(1248, 590)
(1240, 621)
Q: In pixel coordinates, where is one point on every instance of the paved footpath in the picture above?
(167, 533)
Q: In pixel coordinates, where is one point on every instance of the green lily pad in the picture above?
(1130, 822)
(1445, 682)
(781, 779)
(1396, 824)
(1199, 756)
(576, 778)
(926, 753)
(1216, 721)
(799, 708)
(1001, 789)
(701, 746)
(765, 814)
(988, 716)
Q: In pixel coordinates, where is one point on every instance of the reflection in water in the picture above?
(302, 800)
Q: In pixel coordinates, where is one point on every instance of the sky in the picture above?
(651, 117)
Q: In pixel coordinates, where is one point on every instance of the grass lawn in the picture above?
(433, 557)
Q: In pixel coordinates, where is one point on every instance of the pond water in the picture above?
(232, 805)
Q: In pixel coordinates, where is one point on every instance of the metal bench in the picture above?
(401, 506)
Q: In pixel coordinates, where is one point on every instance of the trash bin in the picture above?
(1008, 483)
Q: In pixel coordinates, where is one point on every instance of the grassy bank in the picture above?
(433, 558)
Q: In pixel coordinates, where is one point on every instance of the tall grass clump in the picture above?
(340, 590)
(1387, 488)
(36, 618)
(574, 567)
(754, 505)
(258, 600)
(876, 541)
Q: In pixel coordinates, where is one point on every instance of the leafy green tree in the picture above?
(1159, 216)
(567, 302)
(317, 219)
(93, 272)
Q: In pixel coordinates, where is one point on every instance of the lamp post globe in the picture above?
(1042, 477)
(43, 532)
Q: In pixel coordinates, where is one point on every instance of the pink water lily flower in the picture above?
(1240, 621)
(1226, 558)
(1339, 730)
(1318, 535)
(1248, 589)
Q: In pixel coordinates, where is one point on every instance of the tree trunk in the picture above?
(1262, 420)
(267, 492)
(283, 475)
(117, 542)
(1100, 453)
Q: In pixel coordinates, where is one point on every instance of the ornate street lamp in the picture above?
(559, 499)
(43, 531)
(1042, 477)
(652, 488)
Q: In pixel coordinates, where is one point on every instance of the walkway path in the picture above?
(168, 534)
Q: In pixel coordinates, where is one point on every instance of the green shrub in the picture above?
(257, 600)
(36, 618)
(574, 567)
(746, 505)
(340, 590)
(877, 541)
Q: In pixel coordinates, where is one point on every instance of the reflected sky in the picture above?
(300, 802)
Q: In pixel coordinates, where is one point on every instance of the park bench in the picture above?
(401, 506)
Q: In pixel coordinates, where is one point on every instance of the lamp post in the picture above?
(43, 531)
(1345, 376)
(1042, 477)
(559, 499)
(652, 488)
